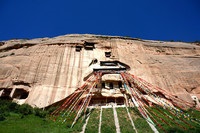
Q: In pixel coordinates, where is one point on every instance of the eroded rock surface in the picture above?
(43, 71)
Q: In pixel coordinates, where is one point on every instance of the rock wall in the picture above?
(50, 69)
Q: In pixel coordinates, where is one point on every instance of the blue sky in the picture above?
(146, 19)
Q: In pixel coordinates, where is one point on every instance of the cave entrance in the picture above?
(107, 54)
(89, 45)
(5, 93)
(78, 48)
(20, 94)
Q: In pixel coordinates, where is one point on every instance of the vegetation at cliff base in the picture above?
(16, 118)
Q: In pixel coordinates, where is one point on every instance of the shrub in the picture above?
(25, 109)
(51, 109)
(41, 113)
(13, 107)
(2, 116)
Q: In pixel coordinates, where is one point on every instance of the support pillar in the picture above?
(1, 92)
(12, 92)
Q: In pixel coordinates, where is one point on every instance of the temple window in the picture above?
(111, 85)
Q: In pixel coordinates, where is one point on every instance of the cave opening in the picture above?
(20, 94)
(89, 45)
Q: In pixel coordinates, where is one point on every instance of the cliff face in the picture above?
(43, 71)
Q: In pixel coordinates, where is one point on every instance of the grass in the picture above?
(140, 123)
(67, 120)
(16, 118)
(15, 123)
(124, 121)
(93, 123)
(175, 122)
(25, 119)
(108, 124)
